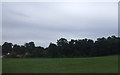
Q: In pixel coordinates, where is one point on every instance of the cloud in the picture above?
(47, 22)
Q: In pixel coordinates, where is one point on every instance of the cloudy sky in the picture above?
(45, 22)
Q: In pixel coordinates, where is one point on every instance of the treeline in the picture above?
(63, 48)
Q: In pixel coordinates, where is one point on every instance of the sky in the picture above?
(46, 22)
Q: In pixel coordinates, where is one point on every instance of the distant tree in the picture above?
(53, 50)
(90, 45)
(19, 50)
(0, 50)
(37, 52)
(113, 45)
(83, 47)
(63, 47)
(62, 42)
(100, 47)
(73, 48)
(29, 46)
(6, 48)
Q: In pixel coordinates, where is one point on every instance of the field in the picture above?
(0, 65)
(106, 64)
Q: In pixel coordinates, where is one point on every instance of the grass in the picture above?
(0, 65)
(106, 64)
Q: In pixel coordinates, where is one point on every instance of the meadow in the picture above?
(104, 64)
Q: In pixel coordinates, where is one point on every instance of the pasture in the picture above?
(105, 64)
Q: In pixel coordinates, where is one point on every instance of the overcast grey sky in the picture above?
(45, 22)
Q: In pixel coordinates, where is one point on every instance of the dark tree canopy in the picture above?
(63, 48)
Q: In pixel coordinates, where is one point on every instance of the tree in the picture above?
(29, 47)
(72, 48)
(37, 52)
(19, 50)
(6, 48)
(63, 47)
(53, 50)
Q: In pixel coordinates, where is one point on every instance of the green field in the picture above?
(106, 64)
